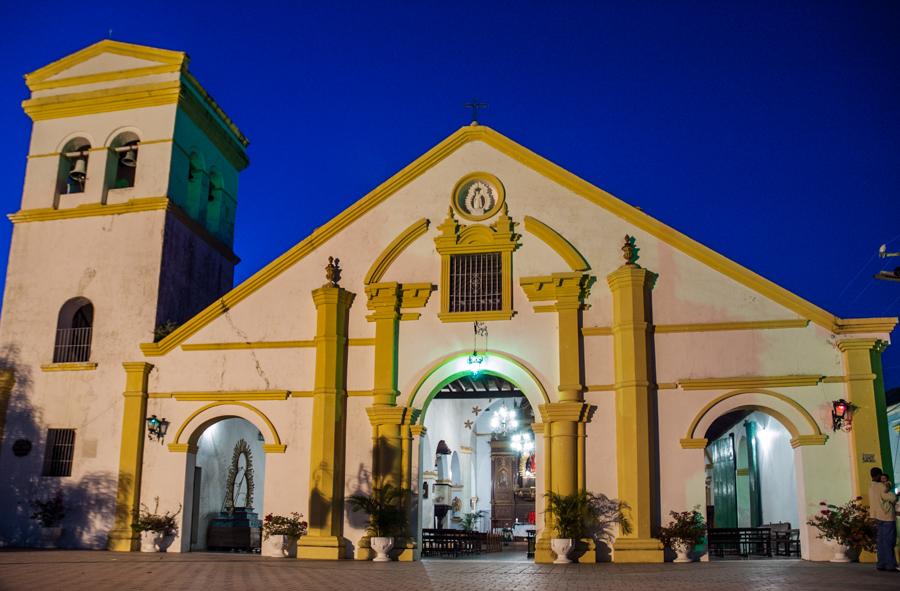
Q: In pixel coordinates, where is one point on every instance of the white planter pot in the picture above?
(682, 553)
(289, 546)
(50, 536)
(153, 541)
(840, 554)
(562, 547)
(381, 546)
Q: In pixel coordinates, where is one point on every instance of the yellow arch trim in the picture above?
(459, 354)
(393, 250)
(526, 157)
(557, 242)
(789, 425)
(275, 446)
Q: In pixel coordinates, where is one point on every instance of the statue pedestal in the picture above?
(239, 530)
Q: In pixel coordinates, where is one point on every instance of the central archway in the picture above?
(463, 464)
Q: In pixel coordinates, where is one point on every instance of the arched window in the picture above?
(73, 166)
(215, 202)
(123, 161)
(198, 188)
(73, 331)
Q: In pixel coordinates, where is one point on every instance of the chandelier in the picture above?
(504, 420)
(522, 443)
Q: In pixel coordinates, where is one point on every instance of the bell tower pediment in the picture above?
(101, 62)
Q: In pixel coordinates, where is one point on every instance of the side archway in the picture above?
(203, 417)
(796, 419)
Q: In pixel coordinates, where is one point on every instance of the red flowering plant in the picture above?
(848, 524)
(292, 526)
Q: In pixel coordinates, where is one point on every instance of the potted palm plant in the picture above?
(289, 527)
(849, 525)
(49, 514)
(685, 530)
(157, 531)
(577, 515)
(386, 509)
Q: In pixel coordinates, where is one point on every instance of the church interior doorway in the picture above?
(225, 494)
(751, 487)
(478, 471)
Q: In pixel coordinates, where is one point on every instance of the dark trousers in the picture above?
(887, 537)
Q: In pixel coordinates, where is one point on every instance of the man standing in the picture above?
(882, 510)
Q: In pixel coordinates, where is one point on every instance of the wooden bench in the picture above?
(740, 541)
(454, 543)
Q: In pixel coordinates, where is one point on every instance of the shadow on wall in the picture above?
(89, 502)
(361, 484)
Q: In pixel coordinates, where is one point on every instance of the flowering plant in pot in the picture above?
(685, 530)
(386, 508)
(849, 525)
(577, 515)
(157, 531)
(49, 514)
(290, 527)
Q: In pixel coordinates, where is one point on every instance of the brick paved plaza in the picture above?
(99, 571)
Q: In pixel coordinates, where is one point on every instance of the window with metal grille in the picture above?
(476, 282)
(74, 330)
(59, 452)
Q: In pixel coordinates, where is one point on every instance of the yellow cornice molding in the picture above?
(856, 345)
(384, 260)
(801, 440)
(104, 77)
(209, 117)
(89, 210)
(557, 242)
(570, 288)
(299, 344)
(87, 366)
(691, 443)
(749, 382)
(551, 171)
(102, 101)
(706, 326)
(864, 325)
(223, 396)
(140, 204)
(39, 79)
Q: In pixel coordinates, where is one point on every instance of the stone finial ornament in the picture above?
(333, 272)
(630, 251)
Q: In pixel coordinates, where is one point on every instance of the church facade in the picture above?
(648, 367)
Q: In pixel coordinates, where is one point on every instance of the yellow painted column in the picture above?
(131, 456)
(865, 444)
(325, 539)
(631, 290)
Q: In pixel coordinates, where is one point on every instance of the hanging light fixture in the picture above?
(522, 443)
(476, 359)
(504, 420)
(841, 415)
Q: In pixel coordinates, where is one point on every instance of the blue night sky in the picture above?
(769, 131)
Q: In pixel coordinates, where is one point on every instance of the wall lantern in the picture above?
(841, 415)
(156, 428)
(476, 359)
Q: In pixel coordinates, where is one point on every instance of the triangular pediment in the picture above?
(105, 60)
(618, 208)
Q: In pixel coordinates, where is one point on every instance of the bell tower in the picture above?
(125, 231)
